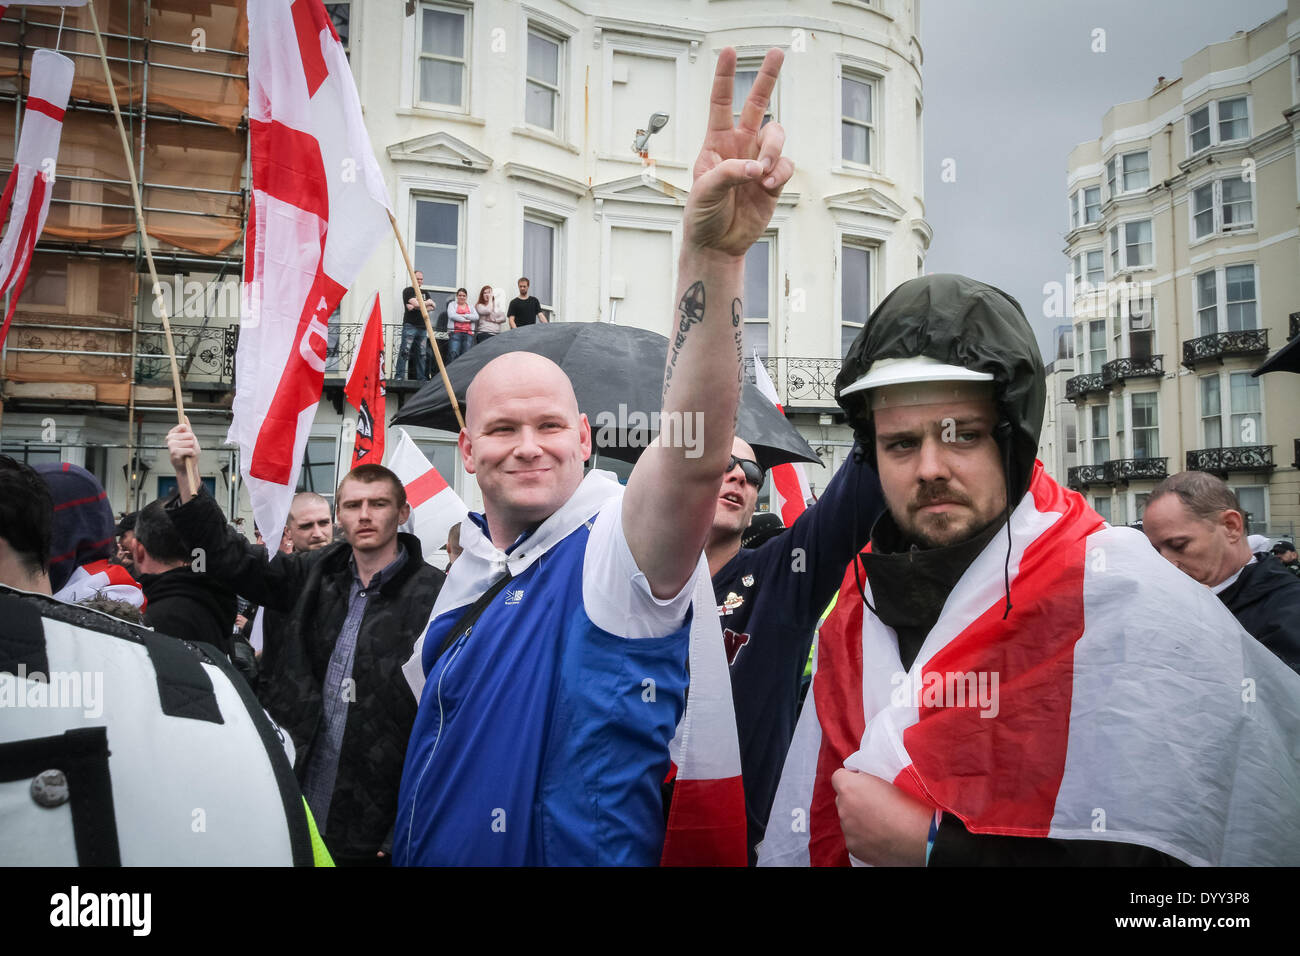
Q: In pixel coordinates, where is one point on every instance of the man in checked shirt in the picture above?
(352, 611)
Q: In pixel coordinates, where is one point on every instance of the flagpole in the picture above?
(191, 466)
(428, 326)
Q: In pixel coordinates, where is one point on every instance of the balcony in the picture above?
(1153, 366)
(1077, 388)
(1221, 461)
(1123, 470)
(1081, 476)
(1221, 345)
(1118, 471)
(800, 381)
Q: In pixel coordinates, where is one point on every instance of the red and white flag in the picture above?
(790, 489)
(1119, 700)
(435, 506)
(312, 165)
(26, 199)
(365, 390)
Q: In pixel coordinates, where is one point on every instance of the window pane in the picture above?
(1138, 241)
(856, 97)
(1233, 123)
(1252, 502)
(340, 14)
(1240, 281)
(317, 472)
(440, 82)
(1236, 202)
(543, 59)
(444, 33)
(438, 263)
(1137, 174)
(756, 334)
(1110, 176)
(1114, 250)
(1210, 396)
(855, 141)
(1074, 210)
(1092, 204)
(539, 106)
(1246, 426)
(848, 333)
(1096, 267)
(1199, 126)
(539, 260)
(855, 292)
(436, 222)
(1207, 314)
(758, 279)
(1101, 504)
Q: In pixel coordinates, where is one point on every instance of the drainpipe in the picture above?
(1183, 444)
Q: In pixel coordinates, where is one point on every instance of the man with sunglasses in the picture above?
(769, 601)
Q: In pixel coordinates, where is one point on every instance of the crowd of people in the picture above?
(458, 324)
(526, 707)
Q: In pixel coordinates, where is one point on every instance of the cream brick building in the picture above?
(1185, 256)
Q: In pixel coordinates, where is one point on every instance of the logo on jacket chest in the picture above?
(733, 642)
(514, 596)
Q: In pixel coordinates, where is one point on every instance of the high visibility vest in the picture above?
(122, 746)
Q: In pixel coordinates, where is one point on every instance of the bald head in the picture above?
(517, 372)
(524, 441)
(309, 526)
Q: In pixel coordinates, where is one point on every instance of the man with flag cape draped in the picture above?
(1005, 679)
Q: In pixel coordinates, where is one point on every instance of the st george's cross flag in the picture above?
(1118, 701)
(435, 506)
(365, 390)
(790, 489)
(26, 199)
(319, 207)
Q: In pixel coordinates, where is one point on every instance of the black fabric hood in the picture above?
(959, 321)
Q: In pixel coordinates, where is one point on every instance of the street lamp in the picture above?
(657, 122)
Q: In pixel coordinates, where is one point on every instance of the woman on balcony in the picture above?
(491, 317)
(462, 318)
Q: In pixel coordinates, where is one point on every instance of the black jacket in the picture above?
(311, 591)
(1265, 600)
(192, 606)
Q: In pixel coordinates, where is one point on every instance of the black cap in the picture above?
(1283, 546)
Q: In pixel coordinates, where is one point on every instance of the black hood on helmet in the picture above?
(962, 322)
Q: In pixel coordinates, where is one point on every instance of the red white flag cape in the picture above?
(102, 578)
(706, 823)
(1128, 705)
(790, 489)
(435, 506)
(26, 199)
(365, 390)
(312, 165)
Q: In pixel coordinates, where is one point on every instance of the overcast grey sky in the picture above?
(1011, 86)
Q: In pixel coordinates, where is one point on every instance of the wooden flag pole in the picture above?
(191, 466)
(428, 326)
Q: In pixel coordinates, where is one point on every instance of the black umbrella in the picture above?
(617, 374)
(1286, 359)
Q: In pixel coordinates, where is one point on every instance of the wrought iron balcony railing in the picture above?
(1081, 476)
(1221, 345)
(1078, 387)
(1220, 461)
(1125, 368)
(1124, 470)
(204, 355)
(800, 381)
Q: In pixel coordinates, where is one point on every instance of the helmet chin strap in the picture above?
(1002, 433)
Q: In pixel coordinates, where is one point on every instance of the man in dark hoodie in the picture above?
(1195, 521)
(1001, 660)
(181, 602)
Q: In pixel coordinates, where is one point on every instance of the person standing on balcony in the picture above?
(1199, 526)
(525, 309)
(462, 318)
(415, 342)
(491, 319)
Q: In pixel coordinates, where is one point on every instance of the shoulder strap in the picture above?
(474, 613)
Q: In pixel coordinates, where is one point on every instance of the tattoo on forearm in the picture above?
(737, 312)
(691, 312)
(739, 333)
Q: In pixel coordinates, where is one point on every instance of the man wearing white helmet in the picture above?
(999, 661)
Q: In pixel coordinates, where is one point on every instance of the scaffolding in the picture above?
(84, 328)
